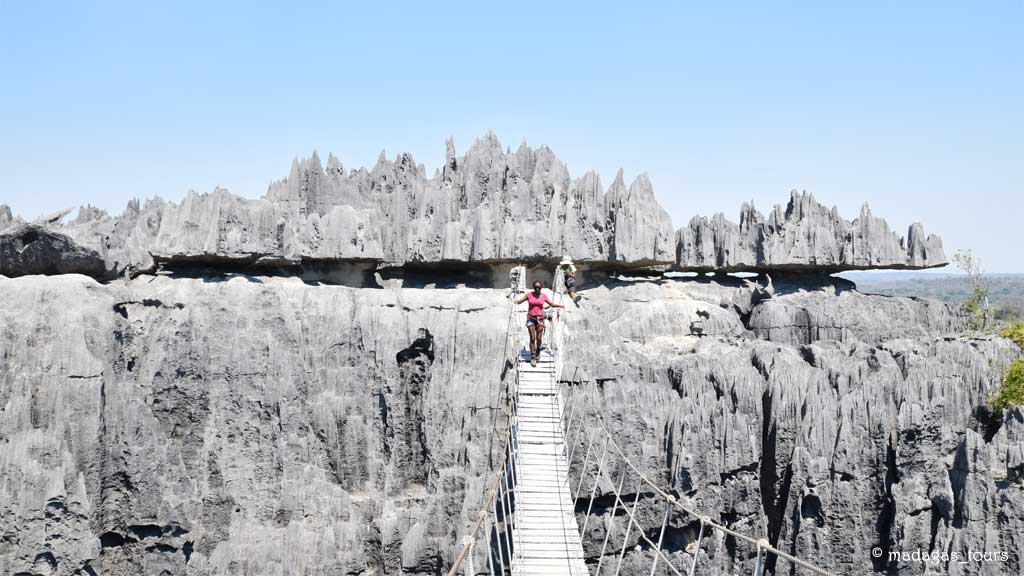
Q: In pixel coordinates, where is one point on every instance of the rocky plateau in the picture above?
(311, 382)
(486, 207)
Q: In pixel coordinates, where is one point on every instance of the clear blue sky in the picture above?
(915, 107)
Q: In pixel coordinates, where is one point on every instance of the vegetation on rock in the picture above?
(1015, 333)
(1011, 393)
(1005, 291)
(975, 306)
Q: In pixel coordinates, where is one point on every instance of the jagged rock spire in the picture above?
(488, 205)
(805, 235)
(6, 217)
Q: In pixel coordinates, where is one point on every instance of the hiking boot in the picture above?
(533, 361)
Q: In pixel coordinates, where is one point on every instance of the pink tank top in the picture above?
(536, 303)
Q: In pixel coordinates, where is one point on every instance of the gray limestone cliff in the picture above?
(488, 206)
(804, 235)
(6, 217)
(37, 249)
(311, 382)
(238, 424)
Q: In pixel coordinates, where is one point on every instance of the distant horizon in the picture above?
(946, 271)
(913, 108)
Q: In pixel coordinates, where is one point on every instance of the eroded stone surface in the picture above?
(839, 312)
(488, 206)
(6, 217)
(830, 448)
(27, 249)
(255, 425)
(804, 235)
(242, 427)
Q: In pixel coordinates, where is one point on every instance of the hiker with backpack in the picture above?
(569, 273)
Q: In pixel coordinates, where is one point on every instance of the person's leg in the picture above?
(533, 334)
(540, 336)
(570, 285)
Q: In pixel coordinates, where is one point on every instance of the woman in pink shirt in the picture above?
(535, 317)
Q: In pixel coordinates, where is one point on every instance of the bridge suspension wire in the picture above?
(762, 546)
(602, 474)
(500, 494)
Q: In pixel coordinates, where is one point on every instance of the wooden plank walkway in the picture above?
(546, 534)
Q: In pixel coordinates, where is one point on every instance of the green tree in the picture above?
(1011, 393)
(975, 306)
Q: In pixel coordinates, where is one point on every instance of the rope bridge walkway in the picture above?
(560, 456)
(545, 527)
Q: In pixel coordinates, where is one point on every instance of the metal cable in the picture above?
(499, 473)
(629, 525)
(661, 538)
(556, 424)
(760, 543)
(611, 523)
(696, 550)
(490, 552)
(583, 470)
(501, 560)
(506, 508)
(480, 517)
(642, 535)
(593, 490)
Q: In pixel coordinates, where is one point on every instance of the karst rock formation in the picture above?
(487, 207)
(308, 383)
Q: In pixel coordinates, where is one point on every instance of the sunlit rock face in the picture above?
(6, 217)
(486, 207)
(34, 249)
(242, 426)
(233, 424)
(312, 382)
(805, 235)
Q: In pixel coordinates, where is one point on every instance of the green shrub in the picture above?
(1011, 393)
(1015, 332)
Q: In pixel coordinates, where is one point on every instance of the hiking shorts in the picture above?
(570, 282)
(535, 321)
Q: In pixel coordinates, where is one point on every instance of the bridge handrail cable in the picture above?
(513, 336)
(761, 544)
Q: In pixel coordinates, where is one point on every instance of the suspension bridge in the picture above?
(527, 524)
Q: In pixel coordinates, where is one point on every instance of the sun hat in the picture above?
(565, 260)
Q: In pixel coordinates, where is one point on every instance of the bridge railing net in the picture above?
(487, 546)
(632, 533)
